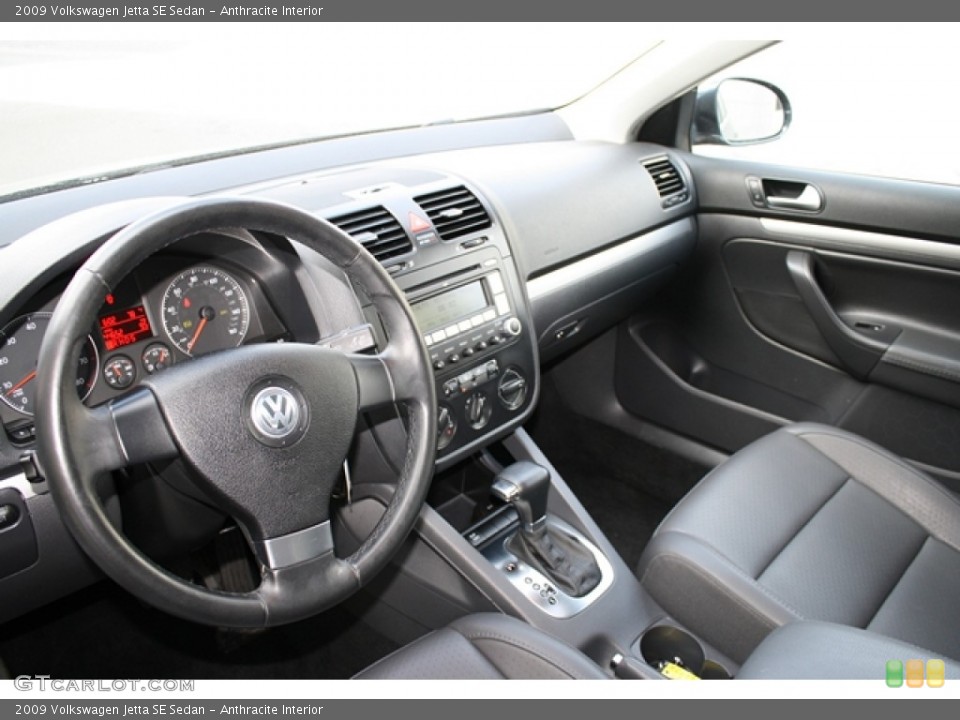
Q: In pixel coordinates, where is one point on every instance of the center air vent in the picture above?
(377, 230)
(668, 180)
(454, 212)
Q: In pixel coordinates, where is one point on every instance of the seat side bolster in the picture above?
(709, 594)
(518, 650)
(817, 650)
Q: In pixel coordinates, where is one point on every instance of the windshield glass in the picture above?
(74, 109)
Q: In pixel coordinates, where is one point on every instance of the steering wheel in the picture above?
(265, 427)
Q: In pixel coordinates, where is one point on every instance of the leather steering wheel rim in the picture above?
(76, 443)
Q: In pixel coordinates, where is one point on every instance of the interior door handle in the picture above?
(858, 354)
(809, 200)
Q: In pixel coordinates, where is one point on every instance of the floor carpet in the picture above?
(103, 632)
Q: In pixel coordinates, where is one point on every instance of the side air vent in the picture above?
(454, 212)
(377, 230)
(668, 180)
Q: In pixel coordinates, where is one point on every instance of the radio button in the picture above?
(468, 352)
(451, 386)
(489, 315)
(428, 339)
(476, 320)
(465, 326)
(439, 336)
(496, 283)
(453, 358)
(439, 365)
(482, 345)
(452, 331)
(503, 307)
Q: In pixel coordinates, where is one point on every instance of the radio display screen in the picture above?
(448, 307)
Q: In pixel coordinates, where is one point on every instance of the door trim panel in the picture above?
(862, 242)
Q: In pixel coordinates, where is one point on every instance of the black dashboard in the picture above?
(509, 255)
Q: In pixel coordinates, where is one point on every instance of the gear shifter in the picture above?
(560, 557)
(525, 486)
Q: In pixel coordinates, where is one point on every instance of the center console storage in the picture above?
(675, 653)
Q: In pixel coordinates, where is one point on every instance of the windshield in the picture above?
(74, 109)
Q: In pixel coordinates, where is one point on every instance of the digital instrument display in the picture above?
(450, 306)
(125, 327)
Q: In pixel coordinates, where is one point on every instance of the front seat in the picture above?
(811, 523)
(485, 646)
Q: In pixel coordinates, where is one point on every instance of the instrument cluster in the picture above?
(175, 309)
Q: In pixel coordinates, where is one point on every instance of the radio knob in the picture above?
(512, 327)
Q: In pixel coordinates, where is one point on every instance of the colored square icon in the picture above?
(914, 673)
(936, 671)
(894, 673)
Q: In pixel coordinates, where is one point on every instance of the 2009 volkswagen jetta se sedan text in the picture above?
(329, 364)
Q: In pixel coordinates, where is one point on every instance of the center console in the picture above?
(501, 530)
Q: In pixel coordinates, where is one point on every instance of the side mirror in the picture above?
(740, 111)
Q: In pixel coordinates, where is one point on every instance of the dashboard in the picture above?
(510, 255)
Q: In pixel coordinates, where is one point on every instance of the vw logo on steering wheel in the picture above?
(276, 412)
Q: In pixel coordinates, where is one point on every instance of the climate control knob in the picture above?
(478, 409)
(512, 389)
(446, 427)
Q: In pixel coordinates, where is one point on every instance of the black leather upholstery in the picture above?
(825, 651)
(811, 523)
(485, 646)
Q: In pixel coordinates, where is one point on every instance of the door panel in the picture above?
(846, 316)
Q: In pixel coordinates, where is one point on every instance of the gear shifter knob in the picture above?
(525, 485)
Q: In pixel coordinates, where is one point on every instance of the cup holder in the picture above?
(667, 644)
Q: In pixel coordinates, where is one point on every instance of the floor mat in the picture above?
(627, 485)
(103, 632)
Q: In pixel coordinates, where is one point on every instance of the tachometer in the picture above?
(205, 309)
(19, 353)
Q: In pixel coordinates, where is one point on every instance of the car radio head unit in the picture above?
(464, 316)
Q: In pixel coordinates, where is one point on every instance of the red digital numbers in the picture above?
(125, 327)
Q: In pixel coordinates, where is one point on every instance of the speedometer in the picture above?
(205, 309)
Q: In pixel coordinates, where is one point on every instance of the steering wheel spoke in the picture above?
(375, 384)
(126, 431)
(295, 547)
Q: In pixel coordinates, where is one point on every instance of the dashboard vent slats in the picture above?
(377, 230)
(454, 212)
(669, 181)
